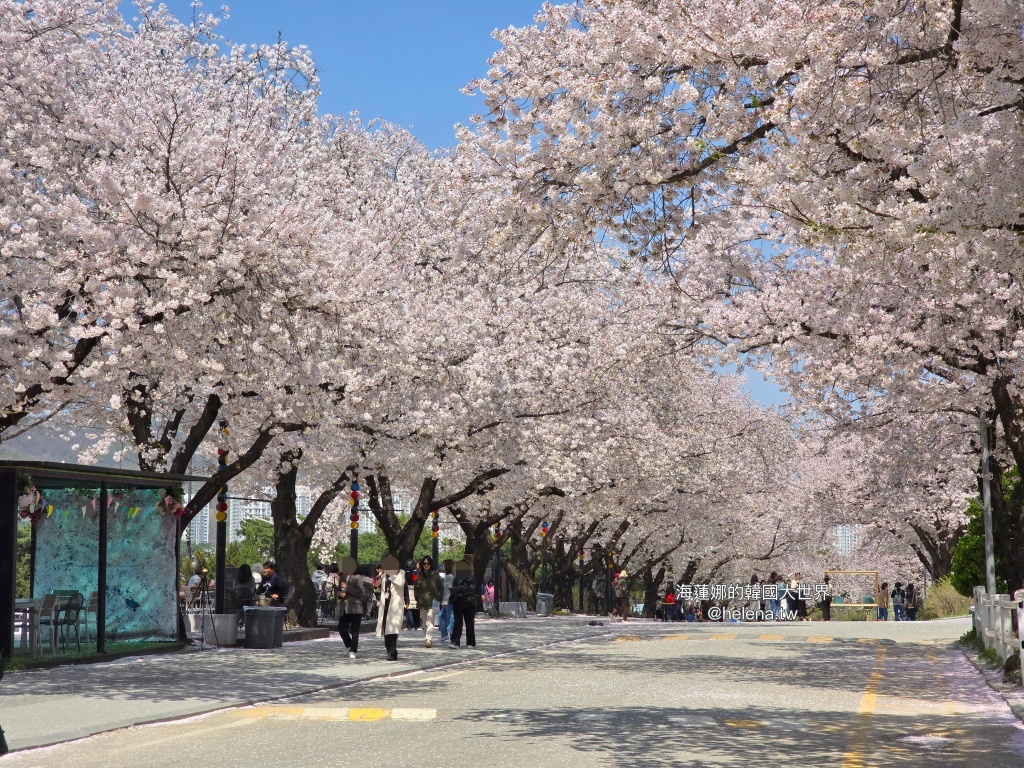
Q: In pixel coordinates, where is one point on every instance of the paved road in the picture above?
(812, 695)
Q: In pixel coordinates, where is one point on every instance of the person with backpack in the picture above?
(463, 598)
(899, 602)
(357, 590)
(911, 603)
(428, 592)
(447, 618)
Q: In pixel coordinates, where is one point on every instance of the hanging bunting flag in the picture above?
(49, 509)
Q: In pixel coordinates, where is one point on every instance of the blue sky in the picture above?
(400, 60)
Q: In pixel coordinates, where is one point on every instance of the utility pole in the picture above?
(986, 499)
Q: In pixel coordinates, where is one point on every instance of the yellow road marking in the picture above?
(772, 637)
(819, 639)
(867, 640)
(364, 714)
(743, 723)
(677, 637)
(854, 757)
(627, 638)
(335, 714)
(723, 637)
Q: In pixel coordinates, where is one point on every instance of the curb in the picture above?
(1012, 695)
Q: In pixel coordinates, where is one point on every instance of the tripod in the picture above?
(206, 611)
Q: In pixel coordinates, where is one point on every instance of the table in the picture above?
(28, 609)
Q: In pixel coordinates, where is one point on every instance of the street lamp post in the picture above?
(544, 557)
(580, 580)
(986, 498)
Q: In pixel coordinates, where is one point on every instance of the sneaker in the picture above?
(455, 645)
(351, 654)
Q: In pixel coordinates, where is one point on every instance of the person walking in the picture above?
(826, 600)
(882, 600)
(799, 601)
(244, 592)
(621, 590)
(392, 605)
(447, 617)
(429, 590)
(668, 605)
(773, 603)
(911, 603)
(464, 597)
(899, 602)
(357, 591)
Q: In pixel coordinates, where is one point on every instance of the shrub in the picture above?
(990, 657)
(973, 640)
(944, 600)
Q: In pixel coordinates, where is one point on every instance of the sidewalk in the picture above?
(49, 706)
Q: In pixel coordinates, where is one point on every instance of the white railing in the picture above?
(993, 622)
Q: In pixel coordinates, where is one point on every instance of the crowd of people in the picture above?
(781, 597)
(415, 598)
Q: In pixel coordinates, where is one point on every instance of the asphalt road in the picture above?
(801, 695)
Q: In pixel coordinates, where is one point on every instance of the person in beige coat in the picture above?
(392, 605)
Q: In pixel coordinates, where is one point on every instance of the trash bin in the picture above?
(264, 627)
(220, 629)
(545, 603)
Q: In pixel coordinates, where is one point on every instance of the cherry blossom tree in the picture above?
(834, 193)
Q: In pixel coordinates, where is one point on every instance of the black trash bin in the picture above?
(264, 627)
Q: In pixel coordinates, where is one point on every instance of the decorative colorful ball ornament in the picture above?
(434, 528)
(353, 502)
(222, 462)
(544, 530)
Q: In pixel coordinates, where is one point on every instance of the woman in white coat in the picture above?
(392, 605)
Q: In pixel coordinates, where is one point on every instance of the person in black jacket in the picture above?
(244, 592)
(463, 601)
(273, 586)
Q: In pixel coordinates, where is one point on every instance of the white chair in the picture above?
(92, 607)
(48, 610)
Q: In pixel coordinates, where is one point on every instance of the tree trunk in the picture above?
(1008, 508)
(652, 589)
(291, 544)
